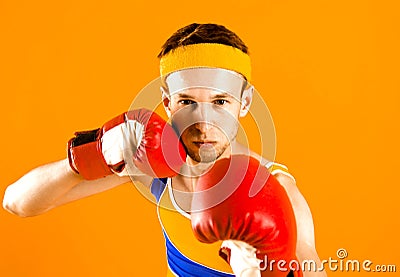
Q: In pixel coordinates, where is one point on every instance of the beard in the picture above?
(207, 153)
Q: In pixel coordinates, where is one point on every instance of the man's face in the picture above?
(207, 120)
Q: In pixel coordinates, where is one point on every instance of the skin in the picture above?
(55, 184)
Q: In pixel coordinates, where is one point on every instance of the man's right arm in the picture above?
(53, 185)
(136, 143)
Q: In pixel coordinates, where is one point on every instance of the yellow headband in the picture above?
(206, 55)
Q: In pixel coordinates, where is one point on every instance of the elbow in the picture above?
(16, 210)
(11, 206)
(14, 206)
(12, 210)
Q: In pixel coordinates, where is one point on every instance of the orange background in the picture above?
(328, 70)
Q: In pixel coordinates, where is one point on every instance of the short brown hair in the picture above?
(202, 33)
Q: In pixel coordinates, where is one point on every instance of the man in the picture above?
(206, 73)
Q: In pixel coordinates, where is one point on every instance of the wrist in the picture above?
(85, 156)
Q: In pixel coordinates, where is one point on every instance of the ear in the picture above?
(166, 101)
(247, 97)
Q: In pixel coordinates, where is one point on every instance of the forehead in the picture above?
(205, 82)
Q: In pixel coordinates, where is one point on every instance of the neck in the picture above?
(194, 168)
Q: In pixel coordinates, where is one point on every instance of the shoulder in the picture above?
(276, 169)
(279, 170)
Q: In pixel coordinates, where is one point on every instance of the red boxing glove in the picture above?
(138, 139)
(237, 199)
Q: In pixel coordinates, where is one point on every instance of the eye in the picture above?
(220, 102)
(186, 102)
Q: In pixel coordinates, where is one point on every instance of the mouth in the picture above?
(200, 143)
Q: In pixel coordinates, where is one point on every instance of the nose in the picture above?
(200, 116)
(203, 116)
(203, 126)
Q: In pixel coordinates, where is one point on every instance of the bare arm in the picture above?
(52, 185)
(305, 249)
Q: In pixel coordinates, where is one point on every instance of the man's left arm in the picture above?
(305, 248)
